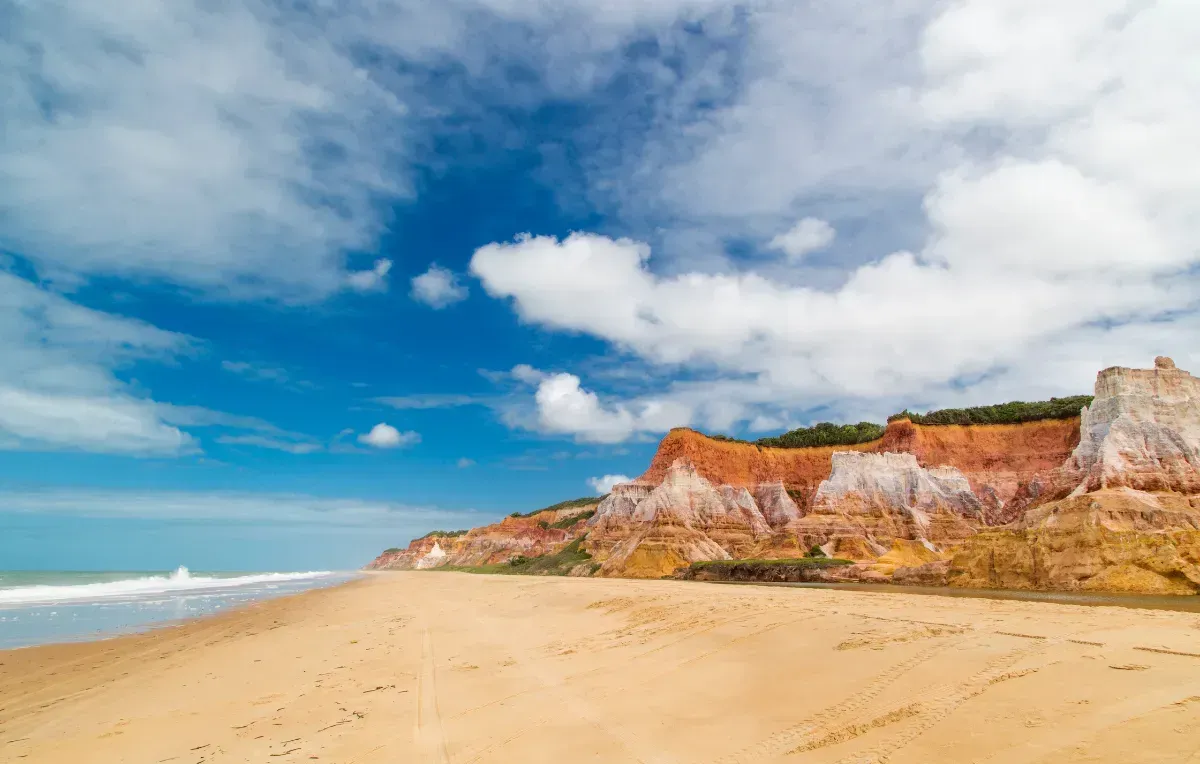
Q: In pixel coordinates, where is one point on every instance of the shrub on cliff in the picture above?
(1014, 412)
(568, 504)
(558, 564)
(816, 551)
(570, 520)
(825, 434)
(443, 534)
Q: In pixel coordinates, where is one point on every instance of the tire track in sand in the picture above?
(428, 735)
(785, 740)
(932, 706)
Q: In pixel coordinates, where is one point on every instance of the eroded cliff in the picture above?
(532, 535)
(1102, 501)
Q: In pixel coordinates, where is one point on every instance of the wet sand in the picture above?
(443, 667)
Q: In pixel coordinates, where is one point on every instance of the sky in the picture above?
(284, 283)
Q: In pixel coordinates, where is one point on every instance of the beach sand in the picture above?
(444, 667)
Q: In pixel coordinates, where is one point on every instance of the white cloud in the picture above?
(464, 463)
(564, 407)
(603, 485)
(196, 143)
(110, 424)
(259, 373)
(383, 435)
(807, 236)
(1060, 220)
(58, 383)
(432, 401)
(238, 507)
(373, 280)
(274, 444)
(438, 288)
(523, 372)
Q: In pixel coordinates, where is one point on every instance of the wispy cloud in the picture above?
(59, 388)
(244, 507)
(266, 373)
(275, 444)
(435, 401)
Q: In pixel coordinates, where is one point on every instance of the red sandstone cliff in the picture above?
(528, 536)
(919, 504)
(1002, 456)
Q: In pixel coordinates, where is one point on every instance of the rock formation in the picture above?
(1115, 540)
(1104, 501)
(644, 531)
(432, 559)
(1142, 431)
(1132, 522)
(527, 536)
(890, 496)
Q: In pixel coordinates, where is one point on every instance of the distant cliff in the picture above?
(961, 504)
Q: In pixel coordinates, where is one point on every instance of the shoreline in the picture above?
(404, 666)
(137, 613)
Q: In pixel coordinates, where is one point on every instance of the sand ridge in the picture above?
(463, 669)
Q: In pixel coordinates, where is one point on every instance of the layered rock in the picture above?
(776, 504)
(1131, 522)
(432, 559)
(892, 496)
(1102, 501)
(648, 531)
(1142, 431)
(1115, 540)
(528, 536)
(1009, 466)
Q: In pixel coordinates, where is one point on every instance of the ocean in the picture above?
(41, 607)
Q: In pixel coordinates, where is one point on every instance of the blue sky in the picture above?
(282, 284)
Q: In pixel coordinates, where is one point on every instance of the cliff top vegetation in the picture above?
(568, 504)
(829, 434)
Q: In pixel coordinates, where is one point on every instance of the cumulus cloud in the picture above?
(807, 236)
(438, 288)
(383, 435)
(1059, 228)
(603, 485)
(564, 407)
(464, 463)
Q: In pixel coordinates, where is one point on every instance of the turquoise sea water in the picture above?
(39, 607)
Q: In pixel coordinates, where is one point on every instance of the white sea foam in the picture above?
(181, 581)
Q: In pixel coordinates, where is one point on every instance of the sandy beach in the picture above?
(443, 667)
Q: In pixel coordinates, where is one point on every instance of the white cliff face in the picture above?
(777, 506)
(683, 519)
(618, 507)
(689, 499)
(863, 482)
(433, 558)
(1142, 431)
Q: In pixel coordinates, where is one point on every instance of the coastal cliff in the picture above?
(1104, 500)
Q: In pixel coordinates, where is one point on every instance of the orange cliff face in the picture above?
(489, 544)
(1004, 458)
(923, 504)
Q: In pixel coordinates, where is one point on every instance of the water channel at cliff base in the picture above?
(1184, 603)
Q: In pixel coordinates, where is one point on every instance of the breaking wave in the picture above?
(181, 581)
